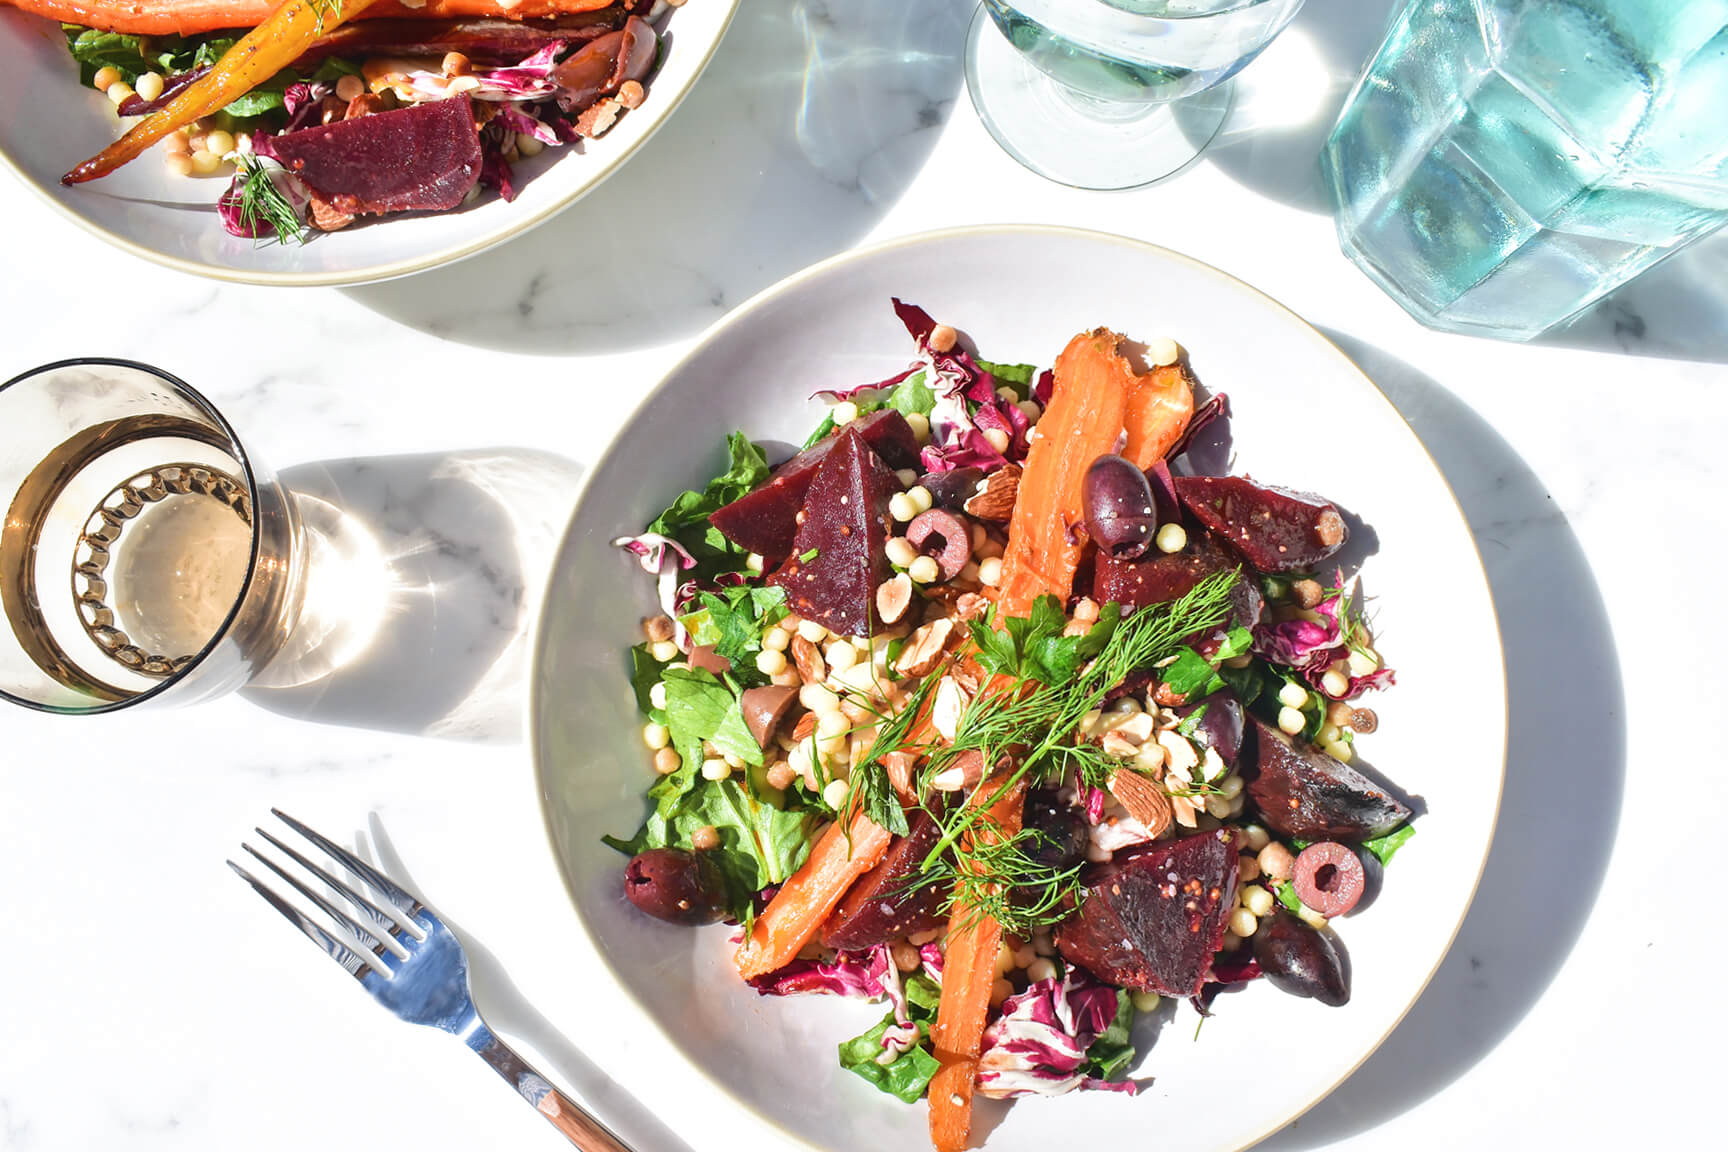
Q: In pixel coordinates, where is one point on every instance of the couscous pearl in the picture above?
(902, 507)
(813, 631)
(661, 650)
(1161, 352)
(349, 87)
(990, 571)
(1257, 837)
(776, 639)
(907, 477)
(999, 992)
(1248, 870)
(149, 85)
(920, 426)
(924, 570)
(844, 412)
(1276, 862)
(818, 699)
(1243, 922)
(118, 92)
(1290, 721)
(219, 142)
(754, 563)
(1004, 959)
(1334, 683)
(770, 662)
(667, 761)
(179, 163)
(1338, 750)
(106, 77)
(205, 163)
(1007, 393)
(900, 552)
(1258, 901)
(832, 725)
(1363, 663)
(1218, 806)
(1032, 410)
(1292, 695)
(840, 656)
(1040, 969)
(715, 769)
(920, 496)
(655, 735)
(527, 145)
(1311, 918)
(657, 694)
(1086, 610)
(1229, 787)
(834, 794)
(1146, 1001)
(1171, 538)
(997, 439)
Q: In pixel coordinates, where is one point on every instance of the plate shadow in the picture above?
(810, 122)
(423, 593)
(1564, 779)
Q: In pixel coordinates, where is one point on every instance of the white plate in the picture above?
(52, 122)
(1304, 417)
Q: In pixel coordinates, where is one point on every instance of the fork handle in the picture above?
(577, 1123)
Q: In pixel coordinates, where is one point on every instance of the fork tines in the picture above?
(383, 909)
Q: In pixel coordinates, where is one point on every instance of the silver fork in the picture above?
(414, 966)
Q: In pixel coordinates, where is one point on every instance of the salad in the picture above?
(323, 112)
(991, 705)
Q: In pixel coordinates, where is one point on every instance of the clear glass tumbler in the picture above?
(144, 555)
(1504, 163)
(1112, 93)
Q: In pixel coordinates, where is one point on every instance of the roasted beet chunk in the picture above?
(888, 903)
(837, 557)
(1158, 577)
(421, 158)
(766, 521)
(1152, 917)
(1304, 794)
(1275, 530)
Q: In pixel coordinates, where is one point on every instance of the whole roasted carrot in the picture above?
(264, 51)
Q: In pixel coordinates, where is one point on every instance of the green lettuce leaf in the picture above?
(1112, 1054)
(1016, 376)
(645, 672)
(912, 396)
(686, 520)
(700, 707)
(1386, 846)
(909, 1075)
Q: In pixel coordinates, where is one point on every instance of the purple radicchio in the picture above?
(661, 557)
(930, 955)
(1311, 647)
(862, 974)
(1037, 1046)
(238, 220)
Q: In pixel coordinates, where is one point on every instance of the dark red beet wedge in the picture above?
(887, 903)
(766, 521)
(1157, 576)
(1304, 794)
(1152, 917)
(421, 158)
(1275, 530)
(837, 556)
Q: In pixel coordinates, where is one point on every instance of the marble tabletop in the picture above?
(152, 1003)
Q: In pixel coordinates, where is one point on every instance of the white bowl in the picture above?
(1304, 417)
(52, 122)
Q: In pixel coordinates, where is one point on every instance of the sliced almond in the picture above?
(1180, 752)
(964, 773)
(1185, 809)
(970, 606)
(925, 648)
(893, 597)
(808, 658)
(1143, 799)
(1117, 745)
(899, 766)
(995, 499)
(947, 707)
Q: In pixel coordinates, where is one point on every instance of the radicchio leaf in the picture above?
(1037, 1046)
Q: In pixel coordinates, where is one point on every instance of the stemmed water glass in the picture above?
(1112, 93)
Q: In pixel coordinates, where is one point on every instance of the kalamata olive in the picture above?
(676, 886)
(943, 535)
(705, 659)
(1301, 960)
(1329, 878)
(1117, 502)
(764, 708)
(1060, 828)
(953, 488)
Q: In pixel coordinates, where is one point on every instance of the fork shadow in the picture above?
(1564, 780)
(806, 127)
(511, 1014)
(423, 583)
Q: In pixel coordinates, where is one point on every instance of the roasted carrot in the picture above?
(259, 55)
(968, 974)
(1160, 404)
(1081, 423)
(797, 911)
(188, 17)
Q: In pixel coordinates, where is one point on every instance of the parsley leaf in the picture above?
(1193, 675)
(731, 621)
(1113, 1052)
(1033, 647)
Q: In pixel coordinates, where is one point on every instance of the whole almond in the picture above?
(1144, 800)
(893, 596)
(996, 501)
(808, 659)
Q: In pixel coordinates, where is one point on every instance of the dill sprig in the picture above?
(262, 202)
(1005, 881)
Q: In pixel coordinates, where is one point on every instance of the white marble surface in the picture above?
(152, 1003)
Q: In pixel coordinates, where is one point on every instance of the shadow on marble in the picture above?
(811, 121)
(1287, 101)
(423, 585)
(1677, 311)
(510, 1014)
(1564, 777)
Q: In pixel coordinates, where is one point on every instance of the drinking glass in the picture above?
(1112, 93)
(1504, 163)
(144, 553)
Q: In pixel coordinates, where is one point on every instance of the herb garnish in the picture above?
(261, 202)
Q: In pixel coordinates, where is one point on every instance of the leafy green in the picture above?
(686, 520)
(699, 708)
(822, 431)
(913, 396)
(645, 672)
(1248, 684)
(262, 202)
(132, 56)
(908, 1076)
(1386, 846)
(1193, 675)
(1004, 879)
(1016, 376)
(1190, 723)
(732, 620)
(1286, 893)
(1034, 648)
(1113, 1052)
